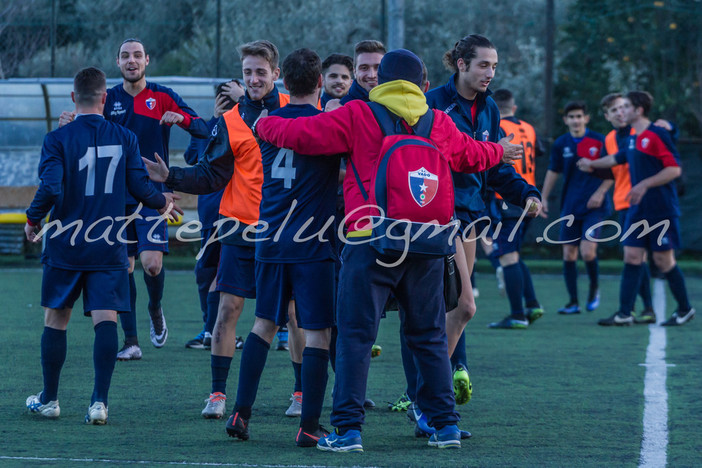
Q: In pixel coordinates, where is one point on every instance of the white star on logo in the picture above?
(423, 187)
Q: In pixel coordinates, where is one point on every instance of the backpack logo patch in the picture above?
(423, 186)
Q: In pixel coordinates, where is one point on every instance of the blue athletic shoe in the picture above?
(570, 309)
(593, 301)
(446, 437)
(349, 442)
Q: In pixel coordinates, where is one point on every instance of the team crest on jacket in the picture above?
(151, 103)
(645, 142)
(486, 135)
(423, 186)
(593, 151)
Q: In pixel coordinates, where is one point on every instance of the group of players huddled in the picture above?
(268, 167)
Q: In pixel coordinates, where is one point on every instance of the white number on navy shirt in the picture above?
(287, 172)
(89, 160)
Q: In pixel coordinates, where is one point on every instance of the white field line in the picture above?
(654, 443)
(150, 462)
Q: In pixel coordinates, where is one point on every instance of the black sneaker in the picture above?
(679, 318)
(238, 427)
(239, 342)
(305, 439)
(569, 309)
(198, 342)
(617, 319)
(647, 316)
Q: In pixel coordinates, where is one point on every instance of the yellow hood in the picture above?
(401, 98)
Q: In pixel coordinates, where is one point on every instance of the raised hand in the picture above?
(512, 152)
(158, 171)
(171, 207)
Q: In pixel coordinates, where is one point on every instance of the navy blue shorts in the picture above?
(102, 290)
(480, 220)
(581, 228)
(502, 244)
(210, 257)
(149, 235)
(666, 235)
(236, 271)
(313, 287)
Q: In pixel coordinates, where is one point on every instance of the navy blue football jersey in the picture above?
(298, 201)
(647, 155)
(86, 169)
(578, 186)
(142, 113)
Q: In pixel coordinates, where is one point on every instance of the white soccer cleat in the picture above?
(97, 414)
(295, 409)
(158, 339)
(50, 410)
(129, 353)
(216, 406)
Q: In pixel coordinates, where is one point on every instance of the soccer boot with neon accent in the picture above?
(511, 322)
(216, 406)
(334, 442)
(646, 316)
(448, 437)
(129, 352)
(49, 410)
(198, 342)
(617, 319)
(307, 439)
(238, 427)
(295, 408)
(462, 387)
(159, 330)
(569, 309)
(534, 313)
(401, 404)
(97, 414)
(593, 300)
(679, 318)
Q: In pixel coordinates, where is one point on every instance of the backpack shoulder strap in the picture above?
(390, 124)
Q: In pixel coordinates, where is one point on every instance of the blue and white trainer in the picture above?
(446, 437)
(49, 410)
(569, 309)
(349, 442)
(593, 301)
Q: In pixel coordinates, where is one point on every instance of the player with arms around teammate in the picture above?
(583, 197)
(366, 280)
(232, 161)
(85, 169)
(298, 201)
(149, 110)
(654, 164)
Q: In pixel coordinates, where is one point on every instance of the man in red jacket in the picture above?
(364, 283)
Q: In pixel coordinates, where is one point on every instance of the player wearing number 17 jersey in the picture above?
(86, 168)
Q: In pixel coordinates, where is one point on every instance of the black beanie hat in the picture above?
(400, 64)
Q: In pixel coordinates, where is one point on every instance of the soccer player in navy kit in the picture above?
(583, 197)
(297, 209)
(652, 219)
(148, 110)
(85, 169)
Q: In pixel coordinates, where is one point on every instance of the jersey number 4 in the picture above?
(89, 162)
(286, 172)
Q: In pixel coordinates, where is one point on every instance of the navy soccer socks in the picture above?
(314, 386)
(570, 273)
(459, 354)
(104, 357)
(253, 360)
(220, 371)
(297, 370)
(529, 292)
(212, 307)
(53, 355)
(593, 272)
(514, 286)
(154, 286)
(645, 286)
(676, 283)
(629, 287)
(128, 319)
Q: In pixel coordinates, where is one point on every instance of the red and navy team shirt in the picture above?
(141, 114)
(298, 200)
(578, 186)
(647, 154)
